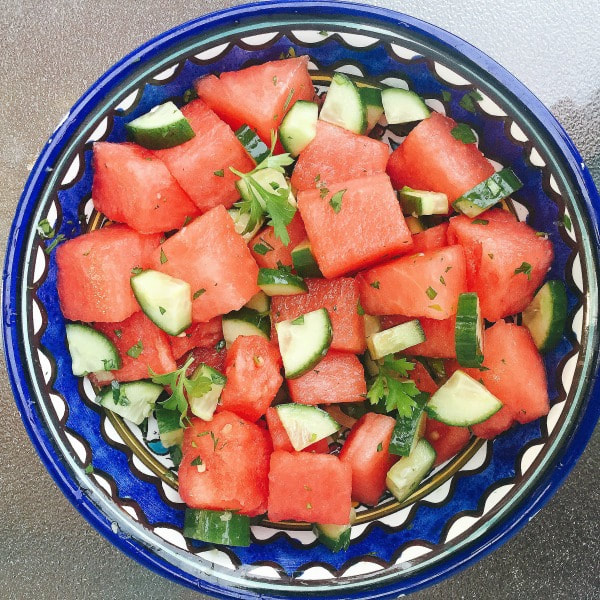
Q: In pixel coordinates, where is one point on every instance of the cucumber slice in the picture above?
(133, 401)
(205, 390)
(304, 261)
(169, 427)
(419, 202)
(299, 126)
(245, 322)
(260, 302)
(163, 127)
(253, 145)
(546, 316)
(469, 331)
(406, 432)
(487, 193)
(406, 475)
(269, 179)
(90, 350)
(217, 527)
(415, 225)
(343, 105)
(335, 537)
(462, 401)
(395, 339)
(165, 300)
(305, 424)
(278, 282)
(240, 222)
(371, 97)
(304, 341)
(403, 106)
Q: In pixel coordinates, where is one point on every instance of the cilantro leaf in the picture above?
(396, 394)
(469, 99)
(336, 201)
(524, 268)
(463, 133)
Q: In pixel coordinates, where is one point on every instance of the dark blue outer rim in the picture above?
(564, 461)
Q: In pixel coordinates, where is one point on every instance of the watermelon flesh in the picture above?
(439, 336)
(280, 253)
(233, 474)
(209, 356)
(336, 154)
(495, 425)
(447, 440)
(431, 158)
(431, 239)
(132, 186)
(199, 335)
(364, 209)
(423, 380)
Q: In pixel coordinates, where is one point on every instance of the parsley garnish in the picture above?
(323, 192)
(288, 99)
(480, 222)
(57, 240)
(541, 234)
(317, 177)
(198, 293)
(323, 33)
(431, 293)
(189, 95)
(386, 387)
(268, 202)
(136, 270)
(118, 394)
(219, 173)
(162, 310)
(263, 247)
(375, 284)
(299, 320)
(274, 79)
(463, 133)
(109, 364)
(186, 221)
(359, 309)
(336, 201)
(136, 349)
(442, 280)
(524, 268)
(446, 96)
(468, 101)
(380, 447)
(176, 455)
(196, 462)
(447, 269)
(435, 307)
(118, 332)
(45, 229)
(163, 257)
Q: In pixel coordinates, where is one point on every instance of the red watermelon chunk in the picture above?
(366, 452)
(209, 356)
(506, 262)
(336, 154)
(447, 440)
(431, 239)
(234, 471)
(199, 335)
(412, 285)
(258, 96)
(132, 186)
(201, 165)
(280, 253)
(495, 425)
(94, 271)
(355, 225)
(340, 297)
(423, 380)
(304, 486)
(339, 377)
(210, 256)
(141, 345)
(281, 440)
(431, 158)
(253, 379)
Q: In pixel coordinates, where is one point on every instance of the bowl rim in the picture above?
(565, 458)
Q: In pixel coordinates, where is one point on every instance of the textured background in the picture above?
(50, 52)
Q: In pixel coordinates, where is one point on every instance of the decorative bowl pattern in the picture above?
(119, 476)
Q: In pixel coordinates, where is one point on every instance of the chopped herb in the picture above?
(541, 234)
(431, 293)
(118, 332)
(446, 96)
(442, 280)
(375, 284)
(463, 133)
(198, 293)
(136, 270)
(435, 307)
(194, 445)
(307, 488)
(336, 201)
(176, 455)
(259, 361)
(219, 173)
(288, 99)
(187, 220)
(299, 320)
(566, 221)
(86, 253)
(323, 33)
(469, 99)
(317, 177)
(89, 469)
(196, 462)
(380, 447)
(162, 310)
(394, 393)
(220, 345)
(136, 349)
(55, 242)
(109, 364)
(359, 309)
(491, 255)
(309, 505)
(524, 268)
(263, 247)
(447, 269)
(45, 229)
(274, 79)
(214, 439)
(189, 95)
(163, 257)
(323, 192)
(480, 222)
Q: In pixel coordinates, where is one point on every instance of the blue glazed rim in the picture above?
(563, 461)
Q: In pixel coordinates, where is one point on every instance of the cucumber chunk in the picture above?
(415, 225)
(253, 145)
(217, 527)
(344, 106)
(165, 300)
(245, 321)
(169, 426)
(403, 106)
(469, 331)
(299, 126)
(305, 424)
(277, 282)
(462, 401)
(407, 431)
(406, 475)
(420, 202)
(240, 222)
(90, 350)
(304, 261)
(487, 193)
(371, 97)
(304, 341)
(205, 390)
(335, 537)
(260, 302)
(546, 316)
(395, 339)
(163, 127)
(133, 401)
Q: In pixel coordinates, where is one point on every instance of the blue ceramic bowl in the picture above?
(118, 476)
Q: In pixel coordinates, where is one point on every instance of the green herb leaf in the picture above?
(442, 280)
(198, 293)
(118, 332)
(176, 455)
(136, 270)
(336, 201)
(323, 192)
(196, 462)
(380, 447)
(109, 364)
(45, 229)
(375, 284)
(163, 257)
(524, 268)
(463, 133)
(323, 33)
(57, 240)
(435, 307)
(162, 310)
(219, 173)
(359, 309)
(541, 234)
(136, 349)
(263, 247)
(299, 320)
(431, 293)
(189, 95)
(480, 222)
(469, 99)
(274, 79)
(288, 99)
(394, 393)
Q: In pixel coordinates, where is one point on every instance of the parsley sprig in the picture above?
(267, 201)
(389, 388)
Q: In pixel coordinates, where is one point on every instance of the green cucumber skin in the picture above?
(95, 363)
(275, 277)
(425, 456)
(262, 321)
(406, 428)
(556, 293)
(342, 542)
(217, 527)
(253, 145)
(304, 261)
(343, 81)
(468, 323)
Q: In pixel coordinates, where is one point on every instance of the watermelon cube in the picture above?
(277, 251)
(447, 440)
(431, 239)
(209, 356)
(355, 224)
(304, 486)
(132, 186)
(423, 380)
(495, 425)
(199, 335)
(214, 260)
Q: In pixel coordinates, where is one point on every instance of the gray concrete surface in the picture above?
(50, 52)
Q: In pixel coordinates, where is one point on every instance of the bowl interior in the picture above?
(120, 476)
